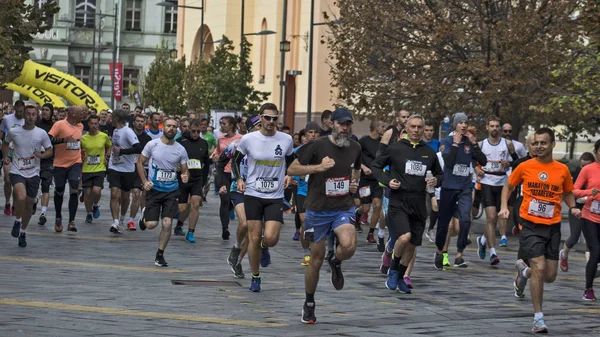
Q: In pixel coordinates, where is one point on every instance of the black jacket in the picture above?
(196, 149)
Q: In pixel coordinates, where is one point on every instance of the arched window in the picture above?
(263, 53)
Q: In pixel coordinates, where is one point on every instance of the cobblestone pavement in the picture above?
(93, 283)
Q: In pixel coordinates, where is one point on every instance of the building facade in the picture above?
(133, 36)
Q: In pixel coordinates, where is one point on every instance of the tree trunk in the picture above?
(572, 140)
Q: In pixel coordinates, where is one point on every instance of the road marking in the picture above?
(508, 272)
(136, 313)
(91, 265)
(84, 237)
(587, 311)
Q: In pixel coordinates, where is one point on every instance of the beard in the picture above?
(169, 136)
(341, 139)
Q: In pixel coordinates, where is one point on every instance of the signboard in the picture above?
(117, 79)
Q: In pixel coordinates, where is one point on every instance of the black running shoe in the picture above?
(438, 261)
(35, 202)
(337, 277)
(42, 220)
(159, 261)
(16, 229)
(460, 262)
(381, 245)
(225, 234)
(234, 256)
(308, 313)
(178, 231)
(141, 222)
(22, 240)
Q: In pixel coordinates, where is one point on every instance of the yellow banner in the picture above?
(40, 96)
(61, 84)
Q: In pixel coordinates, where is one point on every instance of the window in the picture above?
(133, 16)
(130, 76)
(85, 13)
(40, 4)
(82, 73)
(171, 20)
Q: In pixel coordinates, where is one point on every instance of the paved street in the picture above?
(93, 283)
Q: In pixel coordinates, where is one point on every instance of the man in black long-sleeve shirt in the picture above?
(409, 160)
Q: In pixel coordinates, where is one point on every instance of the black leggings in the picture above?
(575, 226)
(226, 205)
(591, 232)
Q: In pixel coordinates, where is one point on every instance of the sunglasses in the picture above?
(507, 131)
(270, 118)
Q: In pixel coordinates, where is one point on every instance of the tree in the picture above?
(164, 83)
(224, 81)
(438, 57)
(19, 23)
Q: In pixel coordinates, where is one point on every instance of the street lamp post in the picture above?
(283, 51)
(175, 5)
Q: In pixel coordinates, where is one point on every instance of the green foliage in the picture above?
(19, 22)
(164, 83)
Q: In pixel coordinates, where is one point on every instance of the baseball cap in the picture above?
(341, 115)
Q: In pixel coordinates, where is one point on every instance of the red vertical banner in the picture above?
(117, 79)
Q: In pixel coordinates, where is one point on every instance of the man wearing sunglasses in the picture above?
(507, 132)
(267, 152)
(8, 122)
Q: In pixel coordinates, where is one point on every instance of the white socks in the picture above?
(492, 251)
(44, 208)
(380, 233)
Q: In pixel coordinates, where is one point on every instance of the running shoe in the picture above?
(403, 287)
(564, 261)
(237, 271)
(588, 294)
(159, 261)
(308, 313)
(12, 211)
(255, 284)
(58, 227)
(393, 277)
(520, 281)
(71, 227)
(178, 231)
(16, 229)
(34, 208)
(142, 222)
(539, 326)
(515, 231)
(357, 226)
(115, 229)
(7, 209)
(494, 260)
(265, 257)
(131, 226)
(386, 260)
(364, 218)
(189, 237)
(305, 261)
(438, 260)
(296, 236)
(232, 215)
(408, 281)
(337, 277)
(88, 218)
(96, 211)
(469, 242)
(371, 238)
(460, 263)
(503, 242)
(234, 256)
(381, 244)
(23, 243)
(481, 248)
(42, 220)
(225, 234)
(430, 235)
(445, 260)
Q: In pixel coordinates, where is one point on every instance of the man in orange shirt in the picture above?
(66, 136)
(545, 183)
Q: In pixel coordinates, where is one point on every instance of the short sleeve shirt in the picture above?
(25, 143)
(266, 163)
(123, 138)
(163, 161)
(543, 185)
(69, 153)
(95, 148)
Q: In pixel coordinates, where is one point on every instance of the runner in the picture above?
(154, 129)
(65, 136)
(162, 189)
(138, 199)
(460, 149)
(414, 167)
(266, 152)
(8, 122)
(432, 204)
(546, 183)
(507, 132)
(45, 123)
(499, 153)
(197, 152)
(333, 163)
(104, 125)
(27, 142)
(121, 170)
(95, 146)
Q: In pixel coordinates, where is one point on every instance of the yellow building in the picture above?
(224, 17)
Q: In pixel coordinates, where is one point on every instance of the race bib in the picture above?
(460, 170)
(415, 168)
(266, 185)
(335, 187)
(595, 207)
(364, 191)
(73, 145)
(93, 160)
(541, 209)
(27, 163)
(194, 164)
(116, 159)
(165, 176)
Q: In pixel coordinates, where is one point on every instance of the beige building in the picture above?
(224, 17)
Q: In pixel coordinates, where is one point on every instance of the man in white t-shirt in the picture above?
(121, 169)
(267, 152)
(8, 122)
(28, 142)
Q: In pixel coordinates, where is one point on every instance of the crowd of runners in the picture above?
(159, 170)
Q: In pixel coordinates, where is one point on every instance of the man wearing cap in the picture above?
(459, 150)
(333, 163)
